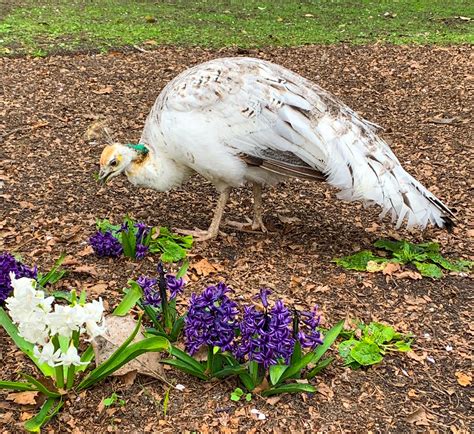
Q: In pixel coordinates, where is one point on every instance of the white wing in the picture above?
(213, 115)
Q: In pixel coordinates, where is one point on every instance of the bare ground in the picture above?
(50, 200)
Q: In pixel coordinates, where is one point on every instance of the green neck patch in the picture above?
(139, 148)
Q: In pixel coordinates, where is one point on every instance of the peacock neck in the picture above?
(160, 174)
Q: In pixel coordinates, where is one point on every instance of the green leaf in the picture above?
(391, 246)
(366, 353)
(387, 334)
(319, 367)
(357, 261)
(48, 410)
(166, 401)
(54, 275)
(403, 346)
(248, 397)
(297, 353)
(290, 388)
(105, 225)
(183, 269)
(128, 238)
(329, 337)
(176, 330)
(116, 352)
(17, 385)
(112, 399)
(186, 241)
(247, 381)
(184, 357)
(253, 371)
(40, 387)
(458, 266)
(236, 394)
(295, 369)
(62, 295)
(172, 252)
(130, 300)
(185, 367)
(345, 348)
(429, 247)
(276, 371)
(120, 358)
(230, 371)
(429, 270)
(22, 344)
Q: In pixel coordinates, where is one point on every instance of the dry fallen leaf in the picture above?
(86, 251)
(463, 379)
(204, 267)
(390, 268)
(129, 378)
(103, 90)
(120, 328)
(70, 260)
(419, 417)
(264, 385)
(325, 390)
(273, 400)
(408, 274)
(414, 356)
(97, 289)
(24, 398)
(374, 267)
(86, 269)
(288, 220)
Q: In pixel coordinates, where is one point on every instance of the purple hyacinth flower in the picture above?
(8, 264)
(150, 295)
(263, 296)
(211, 319)
(266, 336)
(142, 231)
(105, 244)
(308, 335)
(141, 251)
(175, 285)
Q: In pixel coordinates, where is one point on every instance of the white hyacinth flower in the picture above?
(94, 310)
(71, 357)
(26, 299)
(93, 314)
(47, 354)
(93, 329)
(34, 328)
(65, 320)
(28, 308)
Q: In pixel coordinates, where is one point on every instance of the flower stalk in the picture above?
(59, 370)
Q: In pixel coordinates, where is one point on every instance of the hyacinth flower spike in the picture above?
(158, 300)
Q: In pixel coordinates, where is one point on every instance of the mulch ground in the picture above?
(50, 200)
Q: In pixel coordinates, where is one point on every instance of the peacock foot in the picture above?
(249, 226)
(199, 234)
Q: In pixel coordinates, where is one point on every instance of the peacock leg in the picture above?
(257, 208)
(257, 223)
(213, 231)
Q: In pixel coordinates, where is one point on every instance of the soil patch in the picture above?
(50, 200)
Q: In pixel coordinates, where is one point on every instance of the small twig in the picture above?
(55, 116)
(140, 49)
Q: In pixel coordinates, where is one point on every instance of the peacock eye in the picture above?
(113, 163)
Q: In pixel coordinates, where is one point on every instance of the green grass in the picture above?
(40, 27)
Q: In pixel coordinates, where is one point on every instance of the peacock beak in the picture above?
(104, 175)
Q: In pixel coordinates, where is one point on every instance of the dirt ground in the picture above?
(50, 200)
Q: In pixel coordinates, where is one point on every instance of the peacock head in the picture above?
(116, 158)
